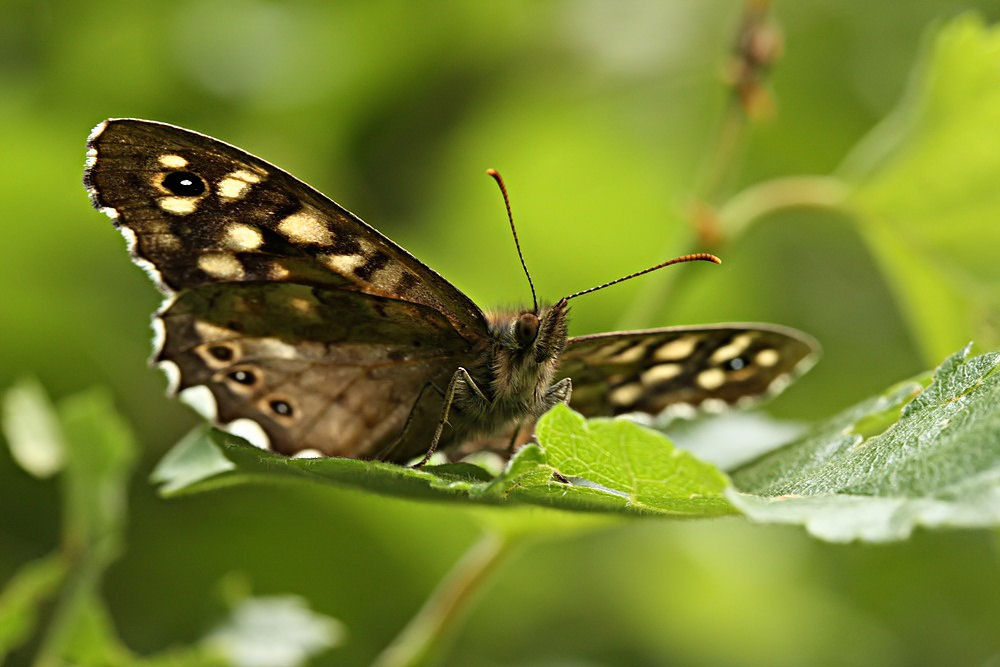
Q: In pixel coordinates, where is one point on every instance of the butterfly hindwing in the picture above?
(286, 357)
(705, 367)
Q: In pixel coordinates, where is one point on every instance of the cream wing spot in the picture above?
(250, 431)
(242, 237)
(201, 399)
(246, 176)
(388, 275)
(211, 332)
(714, 405)
(221, 265)
(171, 161)
(277, 271)
(237, 184)
(168, 241)
(629, 355)
(767, 357)
(276, 349)
(173, 374)
(342, 264)
(679, 348)
(232, 188)
(779, 383)
(681, 411)
(710, 379)
(660, 373)
(303, 306)
(305, 226)
(178, 205)
(91, 160)
(309, 453)
(732, 349)
(626, 395)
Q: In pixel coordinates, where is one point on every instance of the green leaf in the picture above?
(191, 460)
(27, 590)
(629, 462)
(926, 190)
(90, 637)
(100, 452)
(602, 465)
(913, 456)
(32, 430)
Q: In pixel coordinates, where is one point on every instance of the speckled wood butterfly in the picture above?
(291, 322)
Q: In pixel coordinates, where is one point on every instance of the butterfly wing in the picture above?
(287, 317)
(197, 210)
(333, 371)
(683, 368)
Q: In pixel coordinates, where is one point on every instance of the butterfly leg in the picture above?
(388, 449)
(461, 380)
(513, 438)
(558, 393)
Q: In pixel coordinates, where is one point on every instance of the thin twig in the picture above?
(447, 605)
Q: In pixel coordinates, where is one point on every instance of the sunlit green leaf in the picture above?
(20, 599)
(632, 463)
(937, 465)
(927, 190)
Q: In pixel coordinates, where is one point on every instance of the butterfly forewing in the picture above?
(204, 211)
(707, 367)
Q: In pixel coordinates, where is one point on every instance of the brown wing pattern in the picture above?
(706, 367)
(197, 210)
(329, 370)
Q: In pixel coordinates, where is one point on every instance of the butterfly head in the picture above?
(535, 337)
(526, 347)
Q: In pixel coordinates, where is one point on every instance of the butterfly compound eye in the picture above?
(184, 183)
(526, 328)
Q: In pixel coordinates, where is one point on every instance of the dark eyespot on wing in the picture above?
(184, 183)
(243, 377)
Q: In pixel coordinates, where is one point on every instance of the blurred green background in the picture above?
(600, 116)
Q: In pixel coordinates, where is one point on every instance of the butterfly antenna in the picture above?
(696, 257)
(513, 230)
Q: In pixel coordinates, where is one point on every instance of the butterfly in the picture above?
(291, 322)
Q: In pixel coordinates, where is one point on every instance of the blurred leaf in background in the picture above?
(600, 116)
